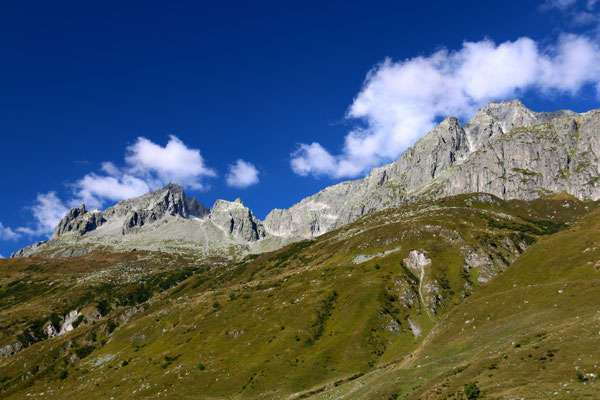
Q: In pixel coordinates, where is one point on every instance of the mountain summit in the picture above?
(161, 220)
(506, 150)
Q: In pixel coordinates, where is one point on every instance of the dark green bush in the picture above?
(472, 391)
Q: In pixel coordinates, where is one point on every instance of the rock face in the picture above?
(236, 220)
(79, 221)
(50, 330)
(164, 219)
(10, 349)
(67, 325)
(506, 150)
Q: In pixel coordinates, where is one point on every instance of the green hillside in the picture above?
(506, 300)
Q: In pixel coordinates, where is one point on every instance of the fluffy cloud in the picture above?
(147, 166)
(173, 163)
(7, 233)
(48, 210)
(401, 101)
(242, 174)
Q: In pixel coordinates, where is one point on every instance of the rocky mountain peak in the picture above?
(236, 220)
(497, 118)
(79, 221)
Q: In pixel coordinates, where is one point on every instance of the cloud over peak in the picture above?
(242, 174)
(174, 162)
(401, 101)
(147, 166)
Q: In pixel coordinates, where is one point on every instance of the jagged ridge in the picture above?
(506, 150)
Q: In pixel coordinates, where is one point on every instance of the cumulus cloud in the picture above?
(48, 210)
(94, 189)
(6, 233)
(174, 162)
(242, 174)
(401, 101)
(148, 166)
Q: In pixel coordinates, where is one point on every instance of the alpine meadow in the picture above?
(450, 249)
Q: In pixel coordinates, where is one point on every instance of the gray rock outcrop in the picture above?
(10, 349)
(67, 325)
(50, 330)
(79, 221)
(236, 220)
(164, 219)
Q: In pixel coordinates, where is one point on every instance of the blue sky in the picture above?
(267, 101)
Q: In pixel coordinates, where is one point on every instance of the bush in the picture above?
(63, 374)
(56, 320)
(78, 321)
(111, 326)
(83, 352)
(103, 307)
(201, 367)
(472, 391)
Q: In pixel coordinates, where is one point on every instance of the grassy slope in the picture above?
(525, 335)
(294, 321)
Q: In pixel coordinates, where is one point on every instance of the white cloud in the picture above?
(148, 166)
(401, 101)
(48, 210)
(312, 158)
(94, 189)
(6, 233)
(173, 163)
(242, 174)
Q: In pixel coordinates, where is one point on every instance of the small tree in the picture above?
(472, 391)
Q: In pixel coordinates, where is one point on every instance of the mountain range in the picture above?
(467, 269)
(506, 150)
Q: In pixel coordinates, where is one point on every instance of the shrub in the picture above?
(83, 352)
(111, 326)
(78, 321)
(55, 319)
(472, 391)
(103, 307)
